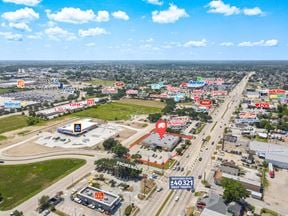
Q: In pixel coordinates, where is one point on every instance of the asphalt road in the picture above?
(191, 163)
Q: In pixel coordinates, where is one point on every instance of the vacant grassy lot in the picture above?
(20, 182)
(2, 137)
(6, 90)
(148, 103)
(12, 123)
(116, 111)
(102, 82)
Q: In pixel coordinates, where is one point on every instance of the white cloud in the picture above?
(150, 40)
(218, 6)
(120, 15)
(200, 43)
(265, 43)
(256, 11)
(24, 2)
(11, 36)
(57, 33)
(155, 2)
(227, 44)
(77, 16)
(171, 15)
(102, 16)
(172, 44)
(20, 26)
(90, 44)
(23, 15)
(92, 32)
(35, 36)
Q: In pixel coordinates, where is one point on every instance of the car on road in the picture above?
(200, 159)
(212, 143)
(91, 206)
(176, 198)
(178, 168)
(1, 161)
(159, 189)
(200, 177)
(182, 169)
(46, 212)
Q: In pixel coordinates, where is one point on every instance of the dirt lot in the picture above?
(147, 103)
(274, 193)
(125, 133)
(30, 148)
(136, 125)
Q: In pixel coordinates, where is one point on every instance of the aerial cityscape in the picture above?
(143, 108)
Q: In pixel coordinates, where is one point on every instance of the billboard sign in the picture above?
(219, 93)
(109, 90)
(197, 92)
(276, 91)
(206, 102)
(264, 105)
(218, 81)
(60, 109)
(132, 92)
(12, 104)
(119, 84)
(184, 85)
(20, 83)
(77, 128)
(195, 84)
(90, 102)
(181, 182)
(172, 88)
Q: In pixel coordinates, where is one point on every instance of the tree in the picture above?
(43, 202)
(120, 150)
(32, 120)
(233, 190)
(128, 210)
(179, 150)
(154, 117)
(17, 213)
(109, 143)
(187, 142)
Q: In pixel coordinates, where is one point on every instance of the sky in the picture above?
(143, 30)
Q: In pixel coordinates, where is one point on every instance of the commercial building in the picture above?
(215, 205)
(107, 201)
(230, 168)
(86, 125)
(272, 153)
(251, 182)
(168, 142)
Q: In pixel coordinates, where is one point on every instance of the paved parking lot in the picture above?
(89, 139)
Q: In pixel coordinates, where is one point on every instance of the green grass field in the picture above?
(102, 82)
(12, 123)
(20, 182)
(6, 90)
(2, 138)
(116, 111)
(148, 103)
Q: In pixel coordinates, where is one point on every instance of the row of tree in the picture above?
(115, 169)
(116, 147)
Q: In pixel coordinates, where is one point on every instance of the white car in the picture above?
(176, 198)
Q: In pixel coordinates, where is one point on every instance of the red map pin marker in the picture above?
(161, 127)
